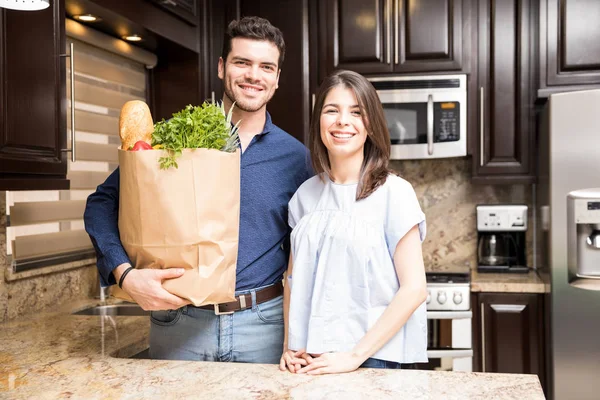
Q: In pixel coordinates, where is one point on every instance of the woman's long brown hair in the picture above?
(375, 169)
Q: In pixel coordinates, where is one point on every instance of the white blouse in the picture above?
(343, 270)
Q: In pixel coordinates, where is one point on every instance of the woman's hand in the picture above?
(332, 363)
(293, 360)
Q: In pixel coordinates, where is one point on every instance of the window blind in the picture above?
(46, 227)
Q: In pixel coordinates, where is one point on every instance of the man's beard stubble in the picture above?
(244, 107)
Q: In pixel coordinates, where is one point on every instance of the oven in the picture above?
(426, 115)
(449, 317)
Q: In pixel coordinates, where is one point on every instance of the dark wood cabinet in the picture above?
(33, 99)
(356, 35)
(429, 35)
(508, 333)
(187, 10)
(394, 36)
(503, 143)
(291, 105)
(218, 14)
(176, 21)
(569, 45)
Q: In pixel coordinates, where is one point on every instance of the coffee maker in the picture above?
(501, 238)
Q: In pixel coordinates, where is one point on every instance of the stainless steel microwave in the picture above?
(426, 115)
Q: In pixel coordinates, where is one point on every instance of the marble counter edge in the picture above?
(509, 283)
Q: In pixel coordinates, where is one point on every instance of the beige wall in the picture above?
(40, 289)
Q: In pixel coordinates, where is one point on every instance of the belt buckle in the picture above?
(218, 311)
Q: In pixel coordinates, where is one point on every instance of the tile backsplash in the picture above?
(448, 199)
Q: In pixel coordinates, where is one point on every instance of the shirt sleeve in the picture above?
(294, 211)
(101, 218)
(403, 212)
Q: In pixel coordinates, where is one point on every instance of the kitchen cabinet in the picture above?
(569, 45)
(508, 333)
(291, 105)
(187, 10)
(33, 129)
(155, 20)
(502, 143)
(221, 12)
(394, 36)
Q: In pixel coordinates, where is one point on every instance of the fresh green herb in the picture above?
(207, 126)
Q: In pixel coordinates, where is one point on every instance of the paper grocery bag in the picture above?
(183, 217)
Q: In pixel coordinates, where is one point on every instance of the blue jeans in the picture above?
(384, 364)
(254, 335)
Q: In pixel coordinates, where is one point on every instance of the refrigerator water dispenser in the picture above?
(583, 236)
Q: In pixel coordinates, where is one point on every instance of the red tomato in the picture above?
(141, 145)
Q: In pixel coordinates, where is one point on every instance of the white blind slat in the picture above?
(92, 94)
(95, 123)
(38, 212)
(49, 244)
(97, 152)
(103, 69)
(86, 179)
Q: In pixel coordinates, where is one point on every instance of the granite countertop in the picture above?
(531, 282)
(58, 355)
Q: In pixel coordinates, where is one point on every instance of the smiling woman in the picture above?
(343, 130)
(356, 281)
(347, 104)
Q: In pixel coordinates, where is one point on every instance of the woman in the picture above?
(356, 282)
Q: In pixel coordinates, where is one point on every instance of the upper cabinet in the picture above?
(32, 99)
(506, 66)
(569, 45)
(188, 10)
(393, 36)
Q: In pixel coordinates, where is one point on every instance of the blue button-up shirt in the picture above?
(273, 166)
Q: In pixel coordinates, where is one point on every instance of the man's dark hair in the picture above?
(255, 28)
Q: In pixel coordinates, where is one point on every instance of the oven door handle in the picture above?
(449, 353)
(449, 314)
(430, 125)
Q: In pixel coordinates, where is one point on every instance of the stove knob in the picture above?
(428, 296)
(441, 297)
(457, 298)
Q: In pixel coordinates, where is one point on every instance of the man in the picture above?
(273, 166)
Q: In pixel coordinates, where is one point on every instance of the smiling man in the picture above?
(273, 166)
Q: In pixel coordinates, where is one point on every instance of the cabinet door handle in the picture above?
(212, 96)
(482, 337)
(388, 30)
(72, 66)
(510, 308)
(396, 23)
(313, 102)
(169, 3)
(430, 125)
(481, 124)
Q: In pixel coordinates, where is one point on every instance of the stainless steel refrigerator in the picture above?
(568, 240)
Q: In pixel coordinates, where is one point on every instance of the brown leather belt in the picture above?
(244, 301)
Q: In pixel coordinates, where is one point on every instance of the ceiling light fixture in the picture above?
(86, 18)
(25, 5)
(133, 38)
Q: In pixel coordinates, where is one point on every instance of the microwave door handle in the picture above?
(430, 125)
